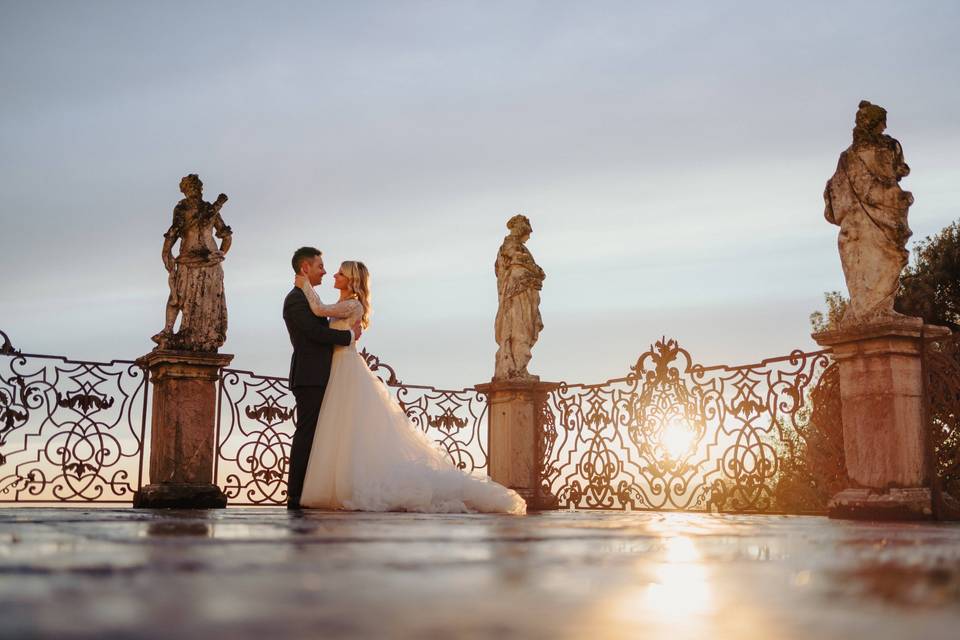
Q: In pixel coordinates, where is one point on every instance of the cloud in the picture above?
(671, 158)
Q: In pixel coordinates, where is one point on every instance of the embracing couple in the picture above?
(354, 447)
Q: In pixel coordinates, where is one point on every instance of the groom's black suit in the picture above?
(313, 341)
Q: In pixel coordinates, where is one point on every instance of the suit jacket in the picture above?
(312, 340)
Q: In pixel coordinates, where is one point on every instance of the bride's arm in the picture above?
(341, 309)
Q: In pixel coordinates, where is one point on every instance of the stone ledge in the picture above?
(169, 356)
(176, 495)
(898, 327)
(872, 504)
(537, 501)
(528, 386)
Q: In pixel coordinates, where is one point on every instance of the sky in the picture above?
(670, 156)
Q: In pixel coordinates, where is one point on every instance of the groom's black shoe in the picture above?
(293, 505)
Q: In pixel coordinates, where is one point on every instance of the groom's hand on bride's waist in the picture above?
(357, 331)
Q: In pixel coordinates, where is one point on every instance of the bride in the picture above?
(366, 455)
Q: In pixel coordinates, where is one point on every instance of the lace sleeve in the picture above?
(342, 309)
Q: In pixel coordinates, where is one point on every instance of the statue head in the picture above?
(519, 226)
(871, 122)
(191, 186)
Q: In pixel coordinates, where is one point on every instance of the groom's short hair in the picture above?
(304, 253)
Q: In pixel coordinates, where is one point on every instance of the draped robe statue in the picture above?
(196, 274)
(864, 198)
(518, 322)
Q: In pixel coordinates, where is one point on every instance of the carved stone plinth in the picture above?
(515, 437)
(891, 504)
(180, 495)
(182, 447)
(884, 430)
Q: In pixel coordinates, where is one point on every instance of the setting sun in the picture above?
(677, 438)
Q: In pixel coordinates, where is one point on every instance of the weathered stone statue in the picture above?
(879, 352)
(864, 198)
(515, 398)
(196, 276)
(518, 322)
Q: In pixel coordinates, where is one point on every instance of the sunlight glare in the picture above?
(680, 593)
(676, 438)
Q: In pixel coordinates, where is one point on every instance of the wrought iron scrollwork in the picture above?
(379, 368)
(455, 419)
(255, 428)
(70, 431)
(6, 349)
(942, 391)
(257, 418)
(674, 434)
(671, 434)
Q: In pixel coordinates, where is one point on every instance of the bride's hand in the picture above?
(299, 280)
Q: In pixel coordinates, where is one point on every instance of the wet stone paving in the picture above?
(267, 573)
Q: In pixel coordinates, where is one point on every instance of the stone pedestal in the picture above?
(182, 446)
(884, 427)
(515, 438)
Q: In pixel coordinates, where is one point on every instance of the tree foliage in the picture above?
(929, 289)
(929, 286)
(810, 450)
(836, 306)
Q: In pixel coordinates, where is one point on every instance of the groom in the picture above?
(313, 342)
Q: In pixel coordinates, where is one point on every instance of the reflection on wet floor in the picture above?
(268, 573)
(907, 586)
(162, 529)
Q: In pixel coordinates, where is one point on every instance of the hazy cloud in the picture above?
(671, 158)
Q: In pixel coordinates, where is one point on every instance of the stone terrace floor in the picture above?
(263, 573)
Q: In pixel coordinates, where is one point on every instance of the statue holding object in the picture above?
(196, 274)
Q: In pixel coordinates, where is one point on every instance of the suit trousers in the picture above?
(309, 400)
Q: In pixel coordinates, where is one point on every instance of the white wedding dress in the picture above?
(366, 454)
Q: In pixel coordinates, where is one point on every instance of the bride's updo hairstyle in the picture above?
(359, 278)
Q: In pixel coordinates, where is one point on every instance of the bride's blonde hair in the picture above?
(359, 278)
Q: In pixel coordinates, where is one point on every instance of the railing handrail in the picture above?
(694, 369)
(391, 384)
(46, 356)
(698, 368)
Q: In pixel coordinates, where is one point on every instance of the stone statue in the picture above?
(196, 276)
(864, 198)
(518, 323)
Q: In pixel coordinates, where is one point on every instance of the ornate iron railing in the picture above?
(76, 431)
(257, 417)
(70, 431)
(674, 434)
(941, 365)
